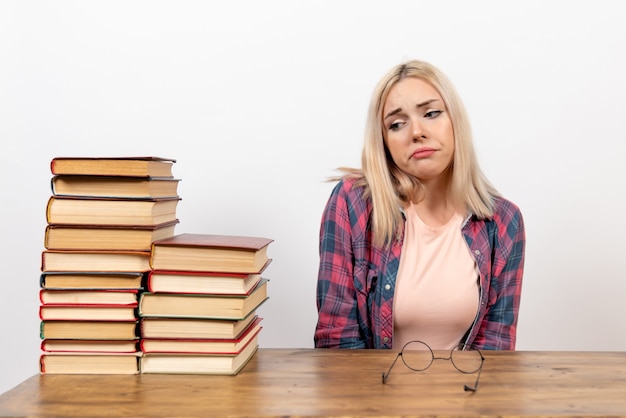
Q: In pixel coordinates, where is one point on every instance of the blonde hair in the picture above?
(389, 186)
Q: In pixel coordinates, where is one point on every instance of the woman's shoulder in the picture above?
(505, 211)
(351, 187)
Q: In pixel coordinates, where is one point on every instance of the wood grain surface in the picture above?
(322, 382)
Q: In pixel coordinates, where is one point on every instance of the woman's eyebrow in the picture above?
(426, 103)
(393, 112)
(418, 106)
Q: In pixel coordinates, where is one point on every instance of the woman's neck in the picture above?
(433, 204)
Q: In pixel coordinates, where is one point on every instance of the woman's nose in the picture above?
(418, 133)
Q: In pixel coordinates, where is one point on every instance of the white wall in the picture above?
(259, 101)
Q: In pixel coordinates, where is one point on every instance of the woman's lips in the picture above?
(422, 153)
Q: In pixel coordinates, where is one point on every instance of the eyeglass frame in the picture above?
(467, 388)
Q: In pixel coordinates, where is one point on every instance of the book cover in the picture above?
(203, 282)
(194, 328)
(202, 306)
(207, 252)
(91, 280)
(89, 330)
(109, 186)
(202, 346)
(106, 237)
(147, 166)
(72, 210)
(100, 261)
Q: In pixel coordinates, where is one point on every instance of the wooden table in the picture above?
(308, 382)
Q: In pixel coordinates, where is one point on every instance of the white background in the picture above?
(260, 101)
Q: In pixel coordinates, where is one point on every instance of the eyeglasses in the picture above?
(418, 356)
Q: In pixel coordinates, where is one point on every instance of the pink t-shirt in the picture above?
(436, 295)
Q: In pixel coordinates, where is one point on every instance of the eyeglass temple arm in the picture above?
(475, 388)
(386, 375)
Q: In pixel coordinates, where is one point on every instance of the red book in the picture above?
(88, 297)
(89, 346)
(202, 282)
(206, 252)
(202, 346)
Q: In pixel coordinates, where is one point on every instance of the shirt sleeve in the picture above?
(337, 325)
(499, 328)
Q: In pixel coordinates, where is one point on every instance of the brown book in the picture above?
(100, 261)
(171, 305)
(106, 237)
(90, 346)
(190, 328)
(106, 186)
(206, 252)
(87, 313)
(148, 166)
(166, 281)
(221, 364)
(89, 363)
(91, 280)
(104, 211)
(88, 297)
(89, 330)
(202, 346)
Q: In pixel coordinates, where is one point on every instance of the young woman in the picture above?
(417, 244)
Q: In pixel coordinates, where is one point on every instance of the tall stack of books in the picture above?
(103, 215)
(199, 311)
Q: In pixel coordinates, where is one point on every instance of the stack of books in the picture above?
(103, 215)
(199, 311)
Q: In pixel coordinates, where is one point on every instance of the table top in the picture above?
(326, 382)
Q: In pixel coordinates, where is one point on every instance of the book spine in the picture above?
(42, 364)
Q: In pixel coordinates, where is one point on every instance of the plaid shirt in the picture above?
(356, 280)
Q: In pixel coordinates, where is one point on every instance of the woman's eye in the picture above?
(433, 114)
(395, 126)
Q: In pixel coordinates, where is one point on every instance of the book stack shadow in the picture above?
(198, 314)
(102, 218)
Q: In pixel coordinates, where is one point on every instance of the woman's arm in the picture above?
(337, 325)
(498, 329)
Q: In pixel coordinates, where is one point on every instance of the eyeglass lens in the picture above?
(418, 356)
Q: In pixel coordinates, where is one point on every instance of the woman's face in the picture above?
(417, 129)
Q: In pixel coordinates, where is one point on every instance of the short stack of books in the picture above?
(199, 311)
(103, 215)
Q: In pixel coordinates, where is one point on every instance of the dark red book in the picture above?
(206, 252)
